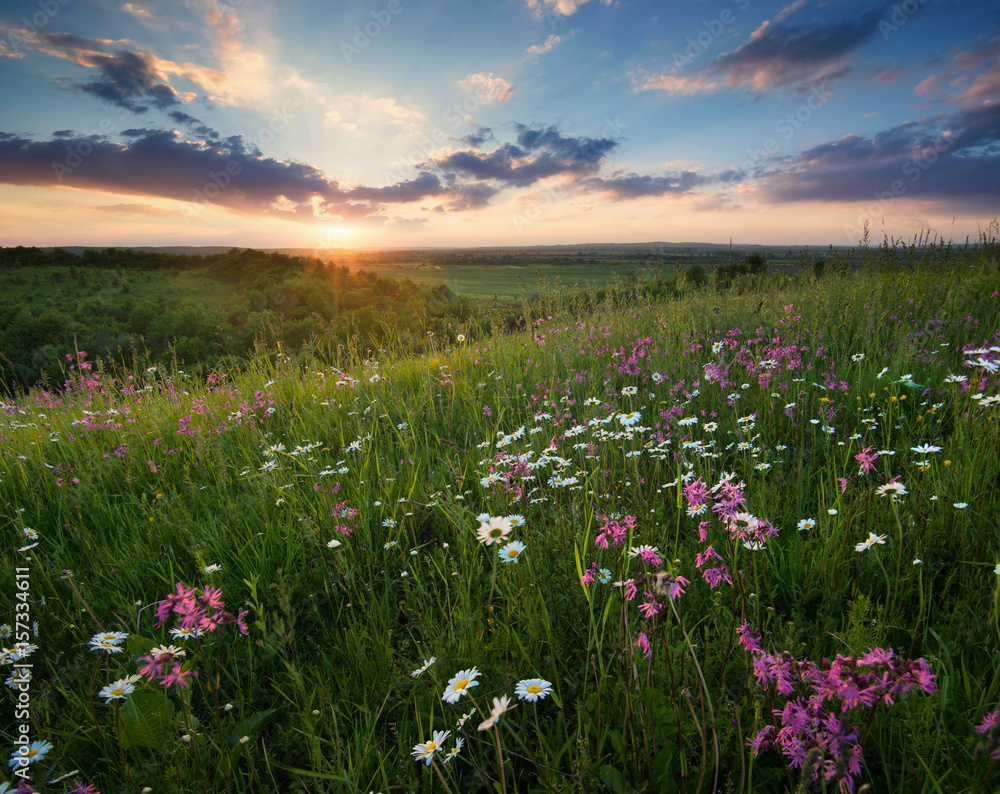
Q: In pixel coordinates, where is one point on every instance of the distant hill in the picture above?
(652, 247)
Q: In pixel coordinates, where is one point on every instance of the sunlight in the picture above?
(335, 235)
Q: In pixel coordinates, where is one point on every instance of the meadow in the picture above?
(739, 540)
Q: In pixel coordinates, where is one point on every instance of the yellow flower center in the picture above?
(512, 553)
(117, 692)
(32, 752)
(462, 684)
(431, 747)
(534, 689)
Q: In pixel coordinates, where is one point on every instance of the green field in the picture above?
(720, 540)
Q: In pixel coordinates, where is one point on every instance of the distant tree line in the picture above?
(132, 305)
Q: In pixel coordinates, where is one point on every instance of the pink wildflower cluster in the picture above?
(727, 498)
(990, 727)
(201, 612)
(342, 511)
(663, 585)
(866, 458)
(162, 665)
(616, 530)
(815, 717)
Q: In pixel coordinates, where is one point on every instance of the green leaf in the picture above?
(614, 778)
(144, 718)
(139, 645)
(251, 726)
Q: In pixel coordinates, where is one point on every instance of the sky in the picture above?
(439, 123)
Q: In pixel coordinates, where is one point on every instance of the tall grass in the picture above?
(660, 669)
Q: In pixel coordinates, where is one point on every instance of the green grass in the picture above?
(174, 474)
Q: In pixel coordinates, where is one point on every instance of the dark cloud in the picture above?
(628, 186)
(579, 151)
(424, 185)
(793, 50)
(472, 196)
(802, 46)
(949, 156)
(538, 154)
(63, 134)
(129, 80)
(227, 173)
(479, 138)
(138, 132)
(233, 174)
(197, 126)
(126, 79)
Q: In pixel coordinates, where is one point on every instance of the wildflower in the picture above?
(454, 751)
(516, 521)
(5, 631)
(426, 750)
(119, 690)
(688, 420)
(426, 665)
(711, 427)
(493, 531)
(212, 568)
(897, 489)
(807, 523)
(511, 551)
(333, 544)
(629, 419)
(500, 705)
(872, 540)
(103, 645)
(389, 544)
(114, 637)
(184, 634)
(460, 684)
(34, 752)
(604, 576)
(648, 554)
(925, 449)
(832, 511)
(960, 505)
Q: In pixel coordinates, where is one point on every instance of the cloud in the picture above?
(195, 125)
(536, 155)
(127, 79)
(785, 51)
(139, 80)
(424, 185)
(479, 138)
(137, 10)
(228, 173)
(564, 7)
(138, 210)
(954, 157)
(359, 113)
(972, 76)
(489, 90)
(547, 46)
(632, 185)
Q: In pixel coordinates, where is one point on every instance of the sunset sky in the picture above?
(500, 122)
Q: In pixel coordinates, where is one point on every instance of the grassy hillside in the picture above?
(738, 541)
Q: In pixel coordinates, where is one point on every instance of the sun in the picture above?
(335, 234)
